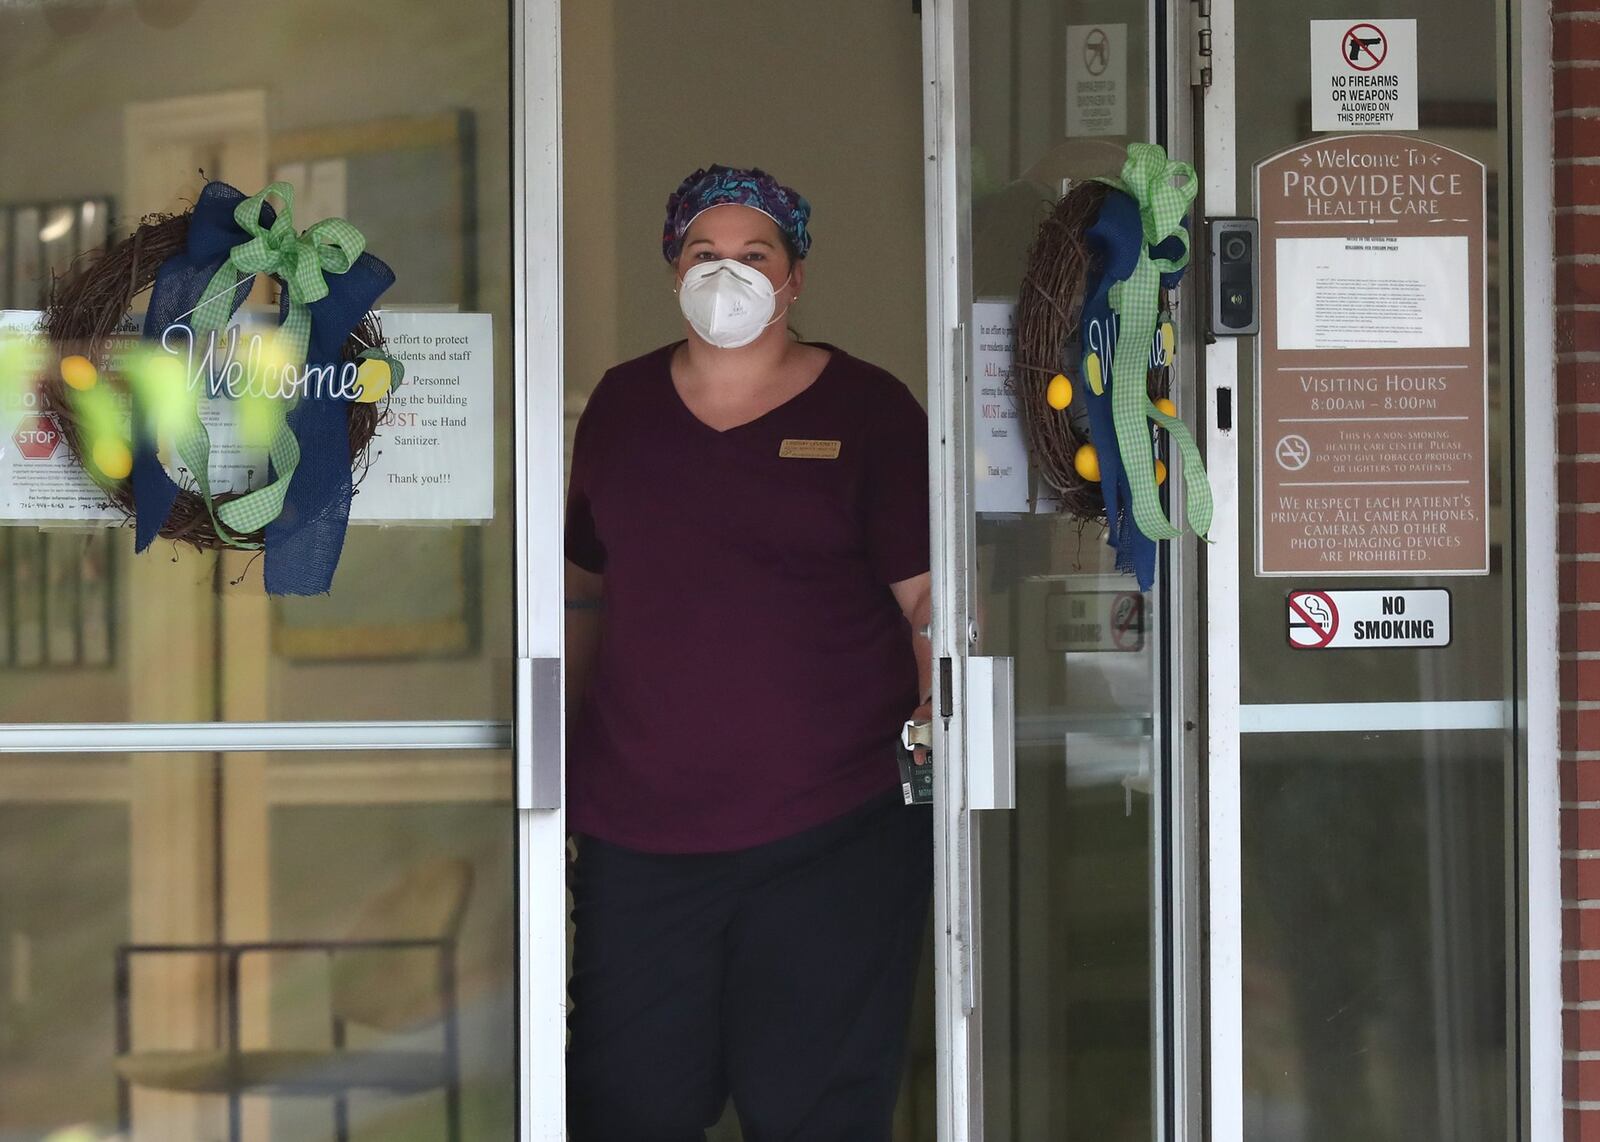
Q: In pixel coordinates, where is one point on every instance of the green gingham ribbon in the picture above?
(253, 510)
(1163, 189)
(300, 261)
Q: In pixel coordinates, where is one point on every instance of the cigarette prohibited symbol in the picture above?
(1127, 621)
(1294, 453)
(1313, 619)
(1364, 47)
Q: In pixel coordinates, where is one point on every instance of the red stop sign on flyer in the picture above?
(37, 437)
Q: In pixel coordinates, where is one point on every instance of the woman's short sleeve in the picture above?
(582, 541)
(897, 486)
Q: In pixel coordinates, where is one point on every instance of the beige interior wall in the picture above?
(828, 99)
(591, 190)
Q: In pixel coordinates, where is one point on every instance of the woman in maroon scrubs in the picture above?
(747, 547)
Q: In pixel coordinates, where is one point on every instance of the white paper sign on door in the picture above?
(39, 480)
(1371, 291)
(1363, 75)
(1000, 455)
(433, 457)
(1097, 79)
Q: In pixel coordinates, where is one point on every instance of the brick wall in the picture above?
(1577, 243)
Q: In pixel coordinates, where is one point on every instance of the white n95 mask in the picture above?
(727, 302)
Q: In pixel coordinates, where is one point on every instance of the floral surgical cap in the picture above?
(720, 186)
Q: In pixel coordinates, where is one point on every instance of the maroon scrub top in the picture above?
(754, 668)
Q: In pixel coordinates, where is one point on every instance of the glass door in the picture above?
(253, 844)
(1061, 957)
(1365, 845)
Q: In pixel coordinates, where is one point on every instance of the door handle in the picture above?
(538, 733)
(991, 733)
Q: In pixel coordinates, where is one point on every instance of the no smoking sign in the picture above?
(1342, 620)
(1313, 620)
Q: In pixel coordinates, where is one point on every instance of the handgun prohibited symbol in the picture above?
(1365, 47)
(1096, 51)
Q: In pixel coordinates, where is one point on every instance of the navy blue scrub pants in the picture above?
(780, 976)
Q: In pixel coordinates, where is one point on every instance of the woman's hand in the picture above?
(915, 596)
(923, 713)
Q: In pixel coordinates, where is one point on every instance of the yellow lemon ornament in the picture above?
(1169, 343)
(1086, 461)
(112, 457)
(79, 372)
(1059, 394)
(375, 377)
(1166, 406)
(1161, 473)
(1091, 370)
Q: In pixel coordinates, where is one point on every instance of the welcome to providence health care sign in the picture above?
(1372, 420)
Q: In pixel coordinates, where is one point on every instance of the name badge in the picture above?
(809, 449)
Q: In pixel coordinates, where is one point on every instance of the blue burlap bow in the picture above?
(1114, 242)
(304, 542)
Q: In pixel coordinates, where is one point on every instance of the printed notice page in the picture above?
(1000, 455)
(39, 480)
(1370, 291)
(433, 457)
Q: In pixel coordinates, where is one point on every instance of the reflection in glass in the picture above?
(1374, 937)
(417, 160)
(366, 900)
(1067, 922)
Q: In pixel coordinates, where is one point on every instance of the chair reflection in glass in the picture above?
(393, 971)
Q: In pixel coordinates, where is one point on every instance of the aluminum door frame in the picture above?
(540, 632)
(948, 251)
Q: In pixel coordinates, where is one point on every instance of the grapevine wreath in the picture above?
(1095, 350)
(335, 378)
